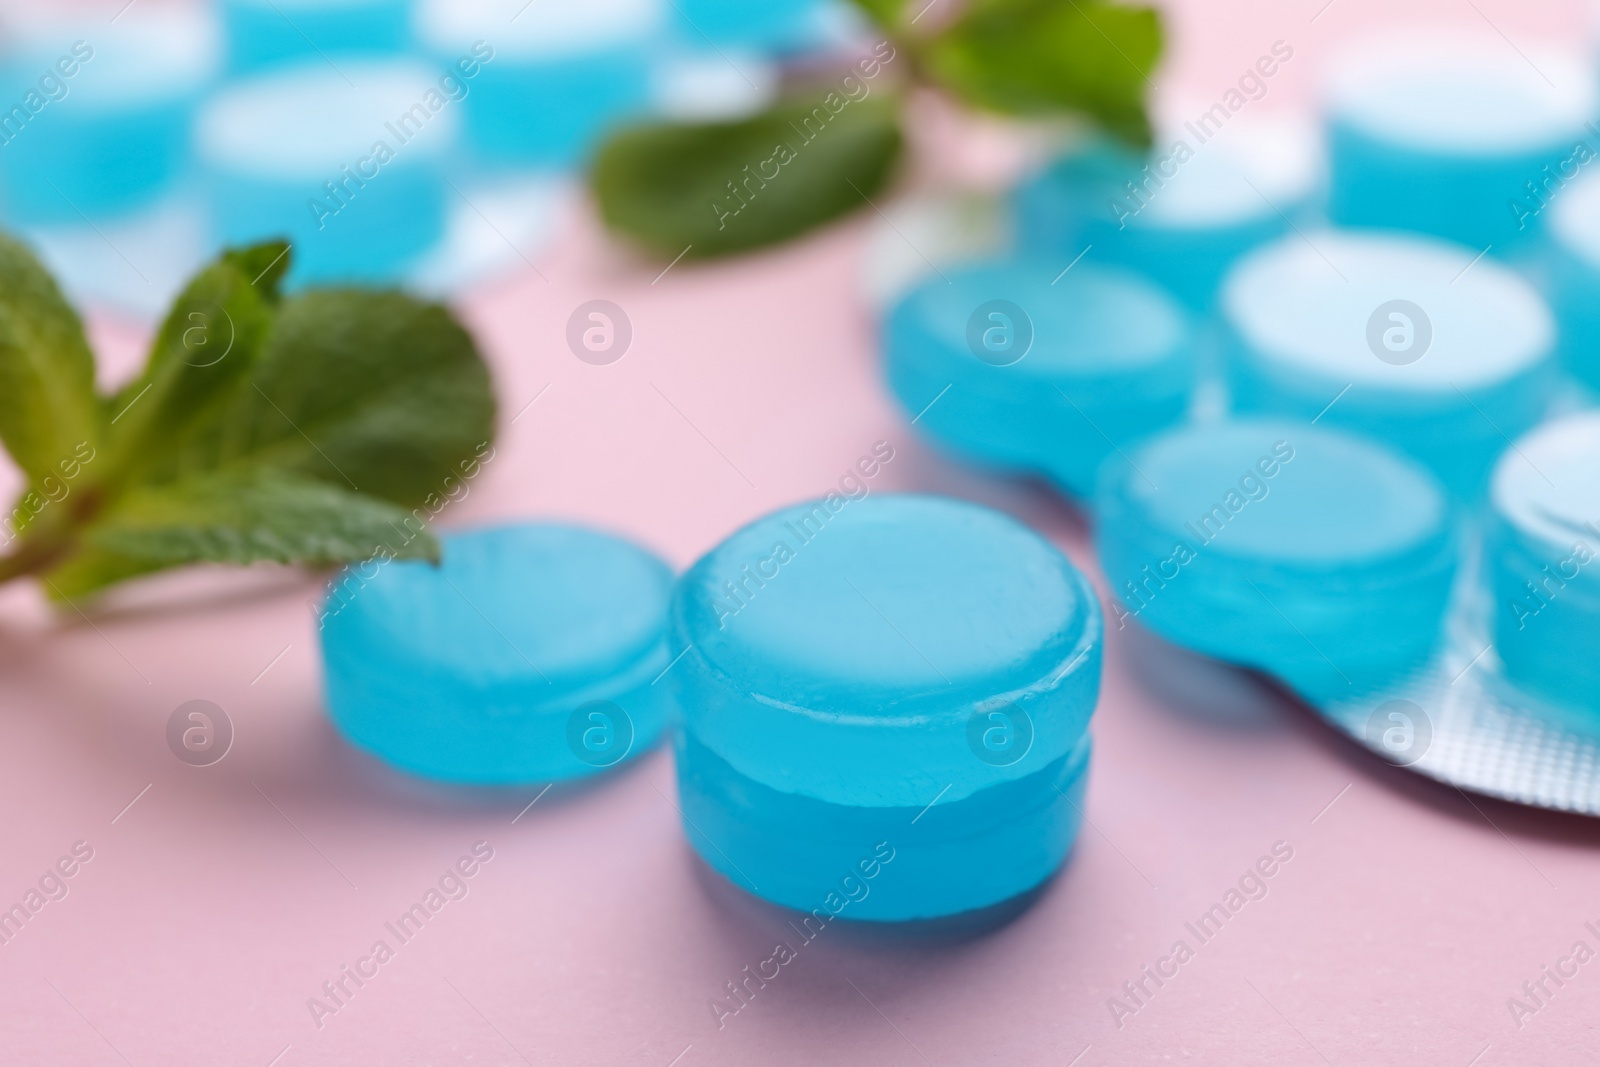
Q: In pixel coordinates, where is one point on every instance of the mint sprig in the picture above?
(710, 189)
(1044, 57)
(715, 188)
(305, 428)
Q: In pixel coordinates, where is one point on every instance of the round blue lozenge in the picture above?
(549, 77)
(689, 84)
(903, 673)
(1573, 282)
(345, 163)
(1454, 136)
(1017, 366)
(1541, 562)
(774, 25)
(265, 33)
(1208, 191)
(527, 655)
(1413, 341)
(95, 124)
(1317, 556)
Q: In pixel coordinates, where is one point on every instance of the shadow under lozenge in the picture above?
(342, 772)
(747, 909)
(1202, 689)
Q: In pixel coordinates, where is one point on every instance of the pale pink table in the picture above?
(220, 901)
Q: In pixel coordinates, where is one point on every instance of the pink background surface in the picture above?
(221, 900)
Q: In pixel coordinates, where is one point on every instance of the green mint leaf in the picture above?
(1037, 57)
(246, 516)
(48, 407)
(264, 264)
(310, 429)
(238, 517)
(710, 189)
(374, 392)
(208, 344)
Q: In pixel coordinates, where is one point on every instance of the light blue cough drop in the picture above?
(344, 162)
(1181, 213)
(1412, 341)
(1451, 134)
(1020, 367)
(527, 655)
(1313, 555)
(1542, 567)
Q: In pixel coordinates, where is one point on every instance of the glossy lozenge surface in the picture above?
(552, 75)
(1018, 365)
(1182, 212)
(265, 33)
(1442, 133)
(1314, 555)
(1541, 551)
(101, 125)
(1573, 277)
(526, 655)
(1413, 341)
(777, 25)
(937, 860)
(345, 165)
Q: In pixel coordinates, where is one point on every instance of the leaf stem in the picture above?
(35, 555)
(53, 538)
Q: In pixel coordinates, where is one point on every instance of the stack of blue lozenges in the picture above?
(897, 675)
